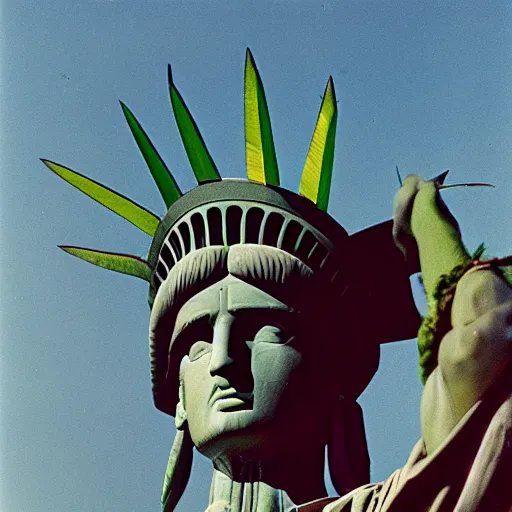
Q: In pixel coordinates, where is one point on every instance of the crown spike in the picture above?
(124, 207)
(123, 263)
(260, 152)
(315, 183)
(199, 157)
(164, 180)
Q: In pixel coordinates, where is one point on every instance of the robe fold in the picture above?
(470, 472)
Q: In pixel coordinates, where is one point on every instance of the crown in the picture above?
(171, 242)
(224, 211)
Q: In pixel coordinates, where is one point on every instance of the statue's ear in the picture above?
(181, 413)
(179, 465)
(347, 450)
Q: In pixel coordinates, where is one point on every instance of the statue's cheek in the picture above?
(272, 367)
(194, 378)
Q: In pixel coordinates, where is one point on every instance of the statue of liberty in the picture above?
(267, 317)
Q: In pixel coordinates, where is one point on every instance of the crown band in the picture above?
(235, 211)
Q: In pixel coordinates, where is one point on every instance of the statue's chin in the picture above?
(262, 433)
(247, 442)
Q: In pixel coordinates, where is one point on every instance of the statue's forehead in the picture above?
(230, 295)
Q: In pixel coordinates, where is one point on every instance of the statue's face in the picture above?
(242, 379)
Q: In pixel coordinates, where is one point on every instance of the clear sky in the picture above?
(425, 85)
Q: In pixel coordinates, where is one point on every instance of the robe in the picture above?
(470, 472)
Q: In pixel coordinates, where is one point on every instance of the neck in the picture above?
(270, 485)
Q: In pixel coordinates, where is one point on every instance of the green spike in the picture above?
(259, 143)
(200, 160)
(315, 183)
(124, 263)
(163, 178)
(126, 208)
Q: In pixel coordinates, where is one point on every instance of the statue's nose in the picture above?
(220, 358)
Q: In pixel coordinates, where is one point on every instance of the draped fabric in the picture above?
(470, 472)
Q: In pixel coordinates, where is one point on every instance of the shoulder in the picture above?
(477, 349)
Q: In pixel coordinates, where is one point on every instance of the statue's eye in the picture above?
(199, 349)
(271, 334)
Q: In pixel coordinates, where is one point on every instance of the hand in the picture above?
(420, 213)
(403, 207)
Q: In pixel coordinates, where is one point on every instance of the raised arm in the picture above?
(462, 358)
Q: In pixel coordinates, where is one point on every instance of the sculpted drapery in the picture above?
(470, 472)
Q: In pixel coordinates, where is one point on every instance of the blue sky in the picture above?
(424, 85)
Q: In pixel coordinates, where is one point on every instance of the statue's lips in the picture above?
(229, 398)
